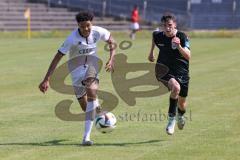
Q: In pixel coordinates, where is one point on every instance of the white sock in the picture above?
(90, 114)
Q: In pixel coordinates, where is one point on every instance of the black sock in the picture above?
(172, 107)
(181, 112)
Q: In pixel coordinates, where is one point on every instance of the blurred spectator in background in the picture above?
(134, 22)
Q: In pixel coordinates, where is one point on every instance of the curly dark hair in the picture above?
(84, 16)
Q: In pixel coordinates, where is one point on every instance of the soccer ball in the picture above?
(105, 122)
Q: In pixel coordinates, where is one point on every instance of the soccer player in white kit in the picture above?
(81, 44)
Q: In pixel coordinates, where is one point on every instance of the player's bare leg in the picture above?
(83, 102)
(182, 103)
(174, 88)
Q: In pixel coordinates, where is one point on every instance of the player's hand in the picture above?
(151, 57)
(109, 66)
(177, 41)
(43, 86)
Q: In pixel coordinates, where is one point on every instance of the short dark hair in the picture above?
(84, 16)
(168, 16)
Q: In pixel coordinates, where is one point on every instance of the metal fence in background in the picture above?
(196, 14)
(149, 9)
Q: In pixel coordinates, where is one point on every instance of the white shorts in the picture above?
(80, 74)
(134, 26)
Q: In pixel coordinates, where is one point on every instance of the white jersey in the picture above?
(76, 45)
(82, 54)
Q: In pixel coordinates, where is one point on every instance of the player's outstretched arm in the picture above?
(151, 57)
(43, 86)
(110, 63)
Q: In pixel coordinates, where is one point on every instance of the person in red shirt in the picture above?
(134, 22)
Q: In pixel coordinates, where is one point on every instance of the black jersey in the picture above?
(172, 58)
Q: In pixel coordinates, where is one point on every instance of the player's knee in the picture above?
(92, 92)
(92, 89)
(176, 88)
(91, 83)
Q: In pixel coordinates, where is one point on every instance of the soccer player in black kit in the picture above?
(174, 56)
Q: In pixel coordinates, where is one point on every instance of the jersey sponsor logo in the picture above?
(86, 51)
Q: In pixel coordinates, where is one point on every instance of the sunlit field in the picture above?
(30, 129)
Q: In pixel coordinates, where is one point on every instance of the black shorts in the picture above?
(164, 75)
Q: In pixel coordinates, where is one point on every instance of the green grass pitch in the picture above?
(30, 130)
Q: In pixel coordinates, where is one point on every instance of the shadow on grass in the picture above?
(128, 143)
(60, 143)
